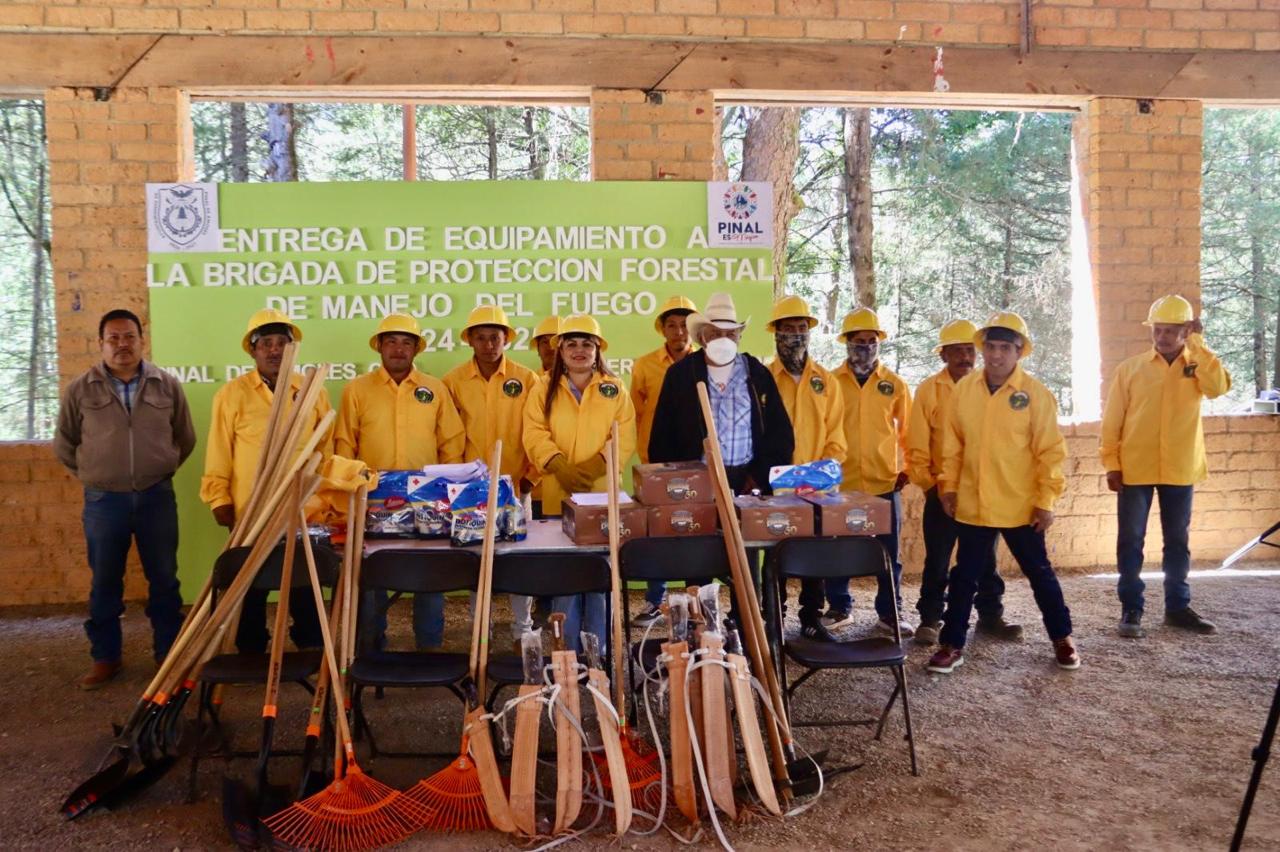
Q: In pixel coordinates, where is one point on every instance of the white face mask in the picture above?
(721, 350)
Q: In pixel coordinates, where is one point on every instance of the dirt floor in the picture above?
(1147, 746)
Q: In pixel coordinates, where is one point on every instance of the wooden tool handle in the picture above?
(616, 639)
(555, 621)
(281, 625)
(480, 631)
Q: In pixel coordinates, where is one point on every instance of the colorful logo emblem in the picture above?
(608, 390)
(740, 201)
(885, 387)
(1189, 371)
(512, 387)
(423, 395)
(1019, 400)
(817, 384)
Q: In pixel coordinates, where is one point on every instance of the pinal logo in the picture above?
(740, 201)
(181, 213)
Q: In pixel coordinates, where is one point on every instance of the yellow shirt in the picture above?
(1002, 453)
(815, 405)
(1151, 430)
(646, 383)
(403, 426)
(875, 426)
(237, 428)
(924, 428)
(493, 408)
(577, 430)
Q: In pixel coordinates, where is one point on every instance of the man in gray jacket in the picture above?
(123, 429)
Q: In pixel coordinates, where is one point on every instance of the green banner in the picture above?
(337, 257)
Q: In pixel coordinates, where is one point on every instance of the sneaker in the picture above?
(945, 660)
(837, 618)
(1064, 650)
(1188, 619)
(1131, 624)
(885, 628)
(999, 628)
(815, 632)
(646, 616)
(102, 671)
(927, 633)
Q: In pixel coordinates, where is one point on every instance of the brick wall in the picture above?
(1097, 24)
(662, 136)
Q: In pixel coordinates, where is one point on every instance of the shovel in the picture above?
(524, 751)
(744, 703)
(610, 737)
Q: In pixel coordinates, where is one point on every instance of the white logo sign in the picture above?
(182, 217)
(740, 214)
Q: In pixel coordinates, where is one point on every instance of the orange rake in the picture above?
(356, 811)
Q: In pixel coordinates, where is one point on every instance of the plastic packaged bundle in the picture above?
(390, 513)
(467, 505)
(818, 477)
(429, 498)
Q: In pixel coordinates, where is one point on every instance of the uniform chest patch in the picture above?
(885, 388)
(608, 390)
(817, 384)
(512, 387)
(1018, 400)
(423, 394)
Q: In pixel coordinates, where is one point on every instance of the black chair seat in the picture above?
(409, 668)
(508, 668)
(252, 668)
(645, 653)
(858, 653)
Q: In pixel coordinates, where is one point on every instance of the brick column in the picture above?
(662, 135)
(1141, 170)
(101, 155)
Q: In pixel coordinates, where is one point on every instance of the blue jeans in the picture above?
(1134, 505)
(587, 612)
(837, 589)
(112, 520)
(428, 620)
(940, 533)
(1027, 547)
(654, 592)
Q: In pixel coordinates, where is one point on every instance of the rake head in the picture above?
(643, 775)
(453, 798)
(354, 812)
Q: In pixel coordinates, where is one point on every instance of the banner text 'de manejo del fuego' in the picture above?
(337, 257)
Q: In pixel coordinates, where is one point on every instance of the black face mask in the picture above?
(793, 350)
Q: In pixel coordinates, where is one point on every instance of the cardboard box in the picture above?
(681, 519)
(674, 482)
(589, 524)
(765, 518)
(851, 513)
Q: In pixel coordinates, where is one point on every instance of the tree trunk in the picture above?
(719, 166)
(769, 153)
(833, 295)
(35, 361)
(1006, 270)
(282, 151)
(239, 159)
(537, 162)
(858, 213)
(491, 137)
(1275, 350)
(1257, 283)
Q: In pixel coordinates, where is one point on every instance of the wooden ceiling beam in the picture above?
(753, 71)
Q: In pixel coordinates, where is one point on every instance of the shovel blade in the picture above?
(137, 782)
(90, 794)
(239, 813)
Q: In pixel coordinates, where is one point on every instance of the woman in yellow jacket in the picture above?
(567, 421)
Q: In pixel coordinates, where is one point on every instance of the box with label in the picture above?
(765, 518)
(675, 519)
(586, 520)
(673, 482)
(851, 513)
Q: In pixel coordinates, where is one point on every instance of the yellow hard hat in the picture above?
(1007, 320)
(487, 315)
(549, 327)
(581, 324)
(398, 324)
(1170, 310)
(862, 319)
(675, 303)
(267, 316)
(956, 331)
(790, 307)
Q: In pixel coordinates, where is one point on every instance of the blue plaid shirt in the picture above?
(731, 409)
(126, 390)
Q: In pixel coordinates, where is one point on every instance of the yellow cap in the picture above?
(398, 324)
(267, 316)
(1170, 310)
(675, 303)
(1008, 320)
(862, 319)
(790, 307)
(549, 327)
(581, 324)
(954, 332)
(487, 315)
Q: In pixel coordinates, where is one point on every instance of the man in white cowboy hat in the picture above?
(751, 420)
(399, 418)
